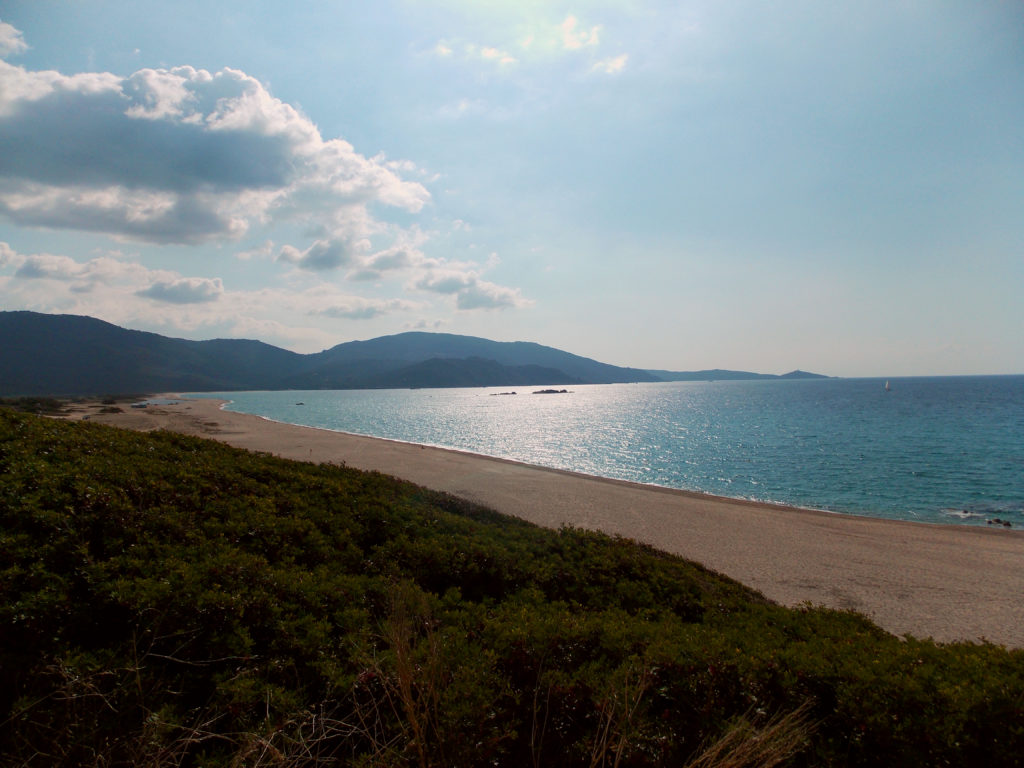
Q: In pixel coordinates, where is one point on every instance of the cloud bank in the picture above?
(176, 155)
(186, 290)
(183, 156)
(131, 294)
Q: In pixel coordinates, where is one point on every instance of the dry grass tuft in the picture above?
(749, 745)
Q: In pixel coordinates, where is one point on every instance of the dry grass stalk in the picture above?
(746, 745)
(615, 716)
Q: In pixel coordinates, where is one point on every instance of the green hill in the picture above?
(46, 355)
(169, 600)
(71, 355)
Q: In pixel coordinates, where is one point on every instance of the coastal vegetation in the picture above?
(168, 600)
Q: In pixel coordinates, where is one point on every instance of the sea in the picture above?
(935, 449)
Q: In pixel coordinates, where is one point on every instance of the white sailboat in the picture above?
(887, 388)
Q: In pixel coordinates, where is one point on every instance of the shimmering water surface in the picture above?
(931, 449)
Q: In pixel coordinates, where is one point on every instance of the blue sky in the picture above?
(683, 185)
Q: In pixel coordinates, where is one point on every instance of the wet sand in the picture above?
(946, 582)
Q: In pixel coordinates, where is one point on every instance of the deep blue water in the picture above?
(945, 449)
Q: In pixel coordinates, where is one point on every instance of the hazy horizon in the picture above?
(659, 185)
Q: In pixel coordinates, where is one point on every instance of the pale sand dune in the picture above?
(945, 582)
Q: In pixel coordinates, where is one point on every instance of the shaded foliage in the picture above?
(39, 405)
(170, 600)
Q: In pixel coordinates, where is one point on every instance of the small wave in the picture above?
(1002, 517)
(964, 514)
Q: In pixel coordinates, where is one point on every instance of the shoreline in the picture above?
(223, 406)
(941, 580)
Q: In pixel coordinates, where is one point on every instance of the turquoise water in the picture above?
(931, 449)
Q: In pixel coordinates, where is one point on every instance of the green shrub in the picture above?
(166, 599)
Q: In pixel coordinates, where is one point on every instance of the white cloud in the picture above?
(105, 270)
(394, 258)
(128, 293)
(473, 52)
(445, 281)
(103, 286)
(11, 41)
(174, 156)
(399, 257)
(48, 266)
(83, 276)
(544, 40)
(260, 252)
(469, 290)
(185, 290)
(483, 295)
(358, 308)
(324, 254)
(9, 257)
(573, 38)
(189, 157)
(496, 54)
(613, 65)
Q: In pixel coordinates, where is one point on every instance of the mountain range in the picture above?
(43, 354)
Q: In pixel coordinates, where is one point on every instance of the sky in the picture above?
(675, 184)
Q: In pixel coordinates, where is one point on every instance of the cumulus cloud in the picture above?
(324, 254)
(84, 275)
(363, 263)
(102, 286)
(389, 260)
(484, 295)
(185, 290)
(138, 214)
(190, 157)
(176, 155)
(104, 270)
(11, 41)
(130, 294)
(45, 265)
(9, 257)
(469, 290)
(445, 281)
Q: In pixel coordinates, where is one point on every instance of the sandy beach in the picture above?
(941, 581)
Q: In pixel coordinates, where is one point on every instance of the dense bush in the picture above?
(170, 600)
(38, 405)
